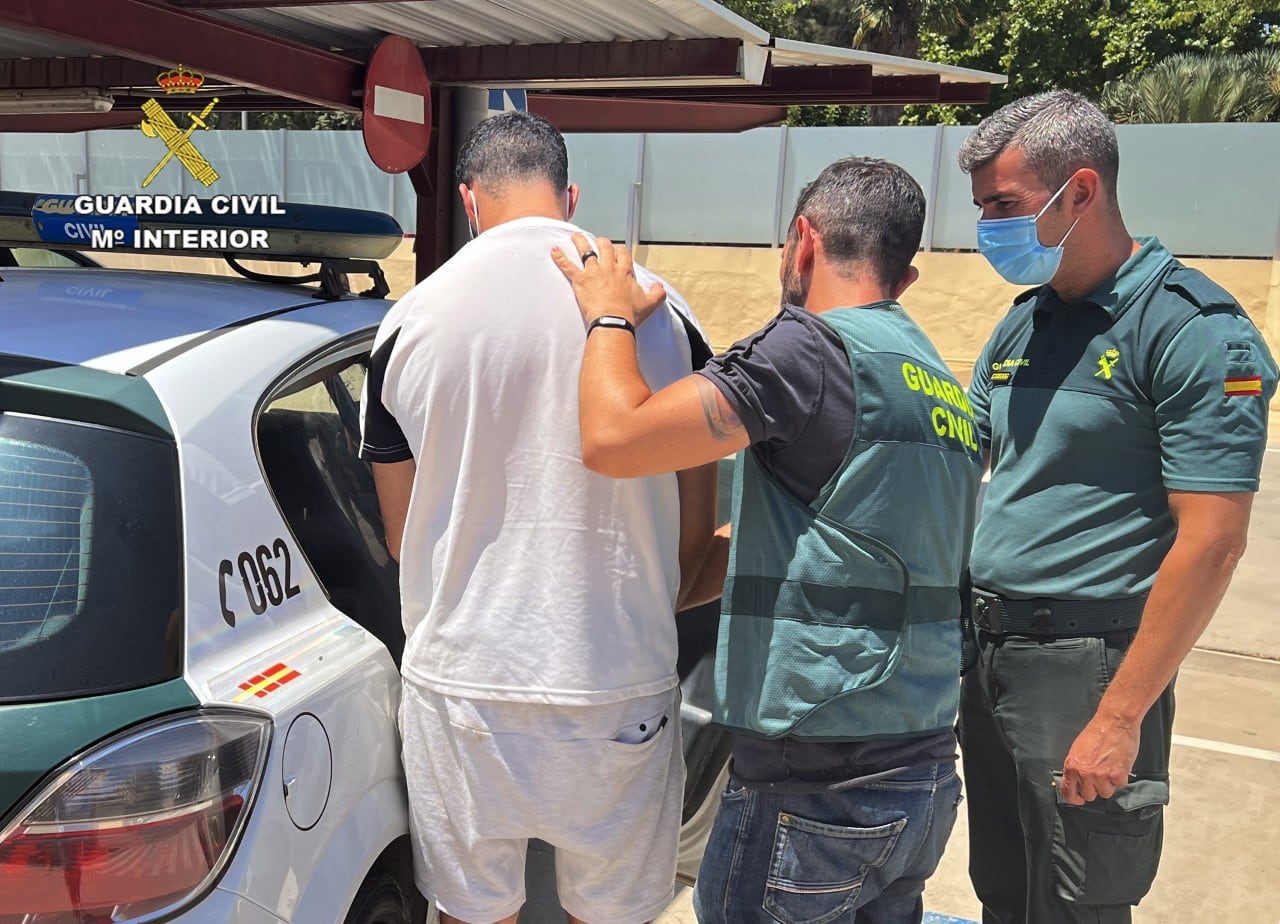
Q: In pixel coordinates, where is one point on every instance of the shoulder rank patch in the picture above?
(1198, 288)
(1239, 386)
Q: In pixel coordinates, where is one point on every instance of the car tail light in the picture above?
(139, 826)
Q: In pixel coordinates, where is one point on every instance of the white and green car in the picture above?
(199, 620)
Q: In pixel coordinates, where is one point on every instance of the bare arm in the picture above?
(1212, 529)
(394, 484)
(708, 583)
(628, 431)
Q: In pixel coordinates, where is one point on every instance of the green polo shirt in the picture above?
(1093, 410)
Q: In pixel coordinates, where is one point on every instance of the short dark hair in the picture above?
(1058, 131)
(867, 211)
(514, 148)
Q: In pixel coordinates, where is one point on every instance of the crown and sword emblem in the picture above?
(159, 124)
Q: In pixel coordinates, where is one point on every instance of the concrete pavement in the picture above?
(1222, 834)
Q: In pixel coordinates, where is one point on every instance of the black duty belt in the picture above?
(1045, 616)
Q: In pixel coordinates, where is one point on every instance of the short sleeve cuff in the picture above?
(1212, 485)
(401, 453)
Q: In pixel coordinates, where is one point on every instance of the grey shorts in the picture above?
(602, 784)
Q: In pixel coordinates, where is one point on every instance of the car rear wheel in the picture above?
(379, 901)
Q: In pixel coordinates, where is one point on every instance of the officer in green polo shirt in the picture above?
(1123, 405)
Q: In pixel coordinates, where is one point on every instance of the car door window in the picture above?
(308, 436)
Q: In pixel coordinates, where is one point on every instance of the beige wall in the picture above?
(735, 290)
(958, 299)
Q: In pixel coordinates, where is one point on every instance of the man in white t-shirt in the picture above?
(540, 692)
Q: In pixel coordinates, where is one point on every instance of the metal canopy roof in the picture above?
(492, 22)
(589, 64)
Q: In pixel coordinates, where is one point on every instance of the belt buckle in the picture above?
(986, 613)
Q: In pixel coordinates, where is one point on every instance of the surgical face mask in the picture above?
(1012, 246)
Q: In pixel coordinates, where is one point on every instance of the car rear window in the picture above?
(90, 560)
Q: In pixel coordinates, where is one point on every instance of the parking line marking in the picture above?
(1222, 747)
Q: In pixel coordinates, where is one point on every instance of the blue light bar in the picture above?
(245, 227)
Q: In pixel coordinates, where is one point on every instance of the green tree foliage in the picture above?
(1200, 88)
(772, 15)
(891, 27)
(298, 120)
(1040, 44)
(1084, 44)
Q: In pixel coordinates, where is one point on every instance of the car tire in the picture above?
(379, 901)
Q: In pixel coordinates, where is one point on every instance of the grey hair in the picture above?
(1058, 131)
(868, 211)
(513, 148)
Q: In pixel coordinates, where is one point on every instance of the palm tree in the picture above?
(890, 27)
(1195, 88)
(1265, 63)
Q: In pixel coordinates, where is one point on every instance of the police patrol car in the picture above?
(199, 619)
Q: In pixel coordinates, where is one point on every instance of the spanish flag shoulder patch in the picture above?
(1243, 385)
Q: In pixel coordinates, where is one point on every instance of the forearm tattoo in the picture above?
(723, 425)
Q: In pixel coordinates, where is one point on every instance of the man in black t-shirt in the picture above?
(839, 646)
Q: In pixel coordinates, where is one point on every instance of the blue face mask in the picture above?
(1012, 246)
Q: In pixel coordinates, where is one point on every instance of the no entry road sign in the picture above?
(397, 106)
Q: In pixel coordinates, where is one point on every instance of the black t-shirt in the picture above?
(792, 386)
(381, 440)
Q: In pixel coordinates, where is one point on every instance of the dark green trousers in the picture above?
(1032, 859)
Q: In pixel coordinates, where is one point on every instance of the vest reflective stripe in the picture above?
(840, 620)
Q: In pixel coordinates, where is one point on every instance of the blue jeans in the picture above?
(856, 857)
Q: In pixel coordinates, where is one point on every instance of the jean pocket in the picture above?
(1106, 852)
(818, 870)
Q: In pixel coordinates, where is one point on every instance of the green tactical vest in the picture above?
(840, 619)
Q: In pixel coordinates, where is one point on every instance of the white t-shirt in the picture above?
(523, 575)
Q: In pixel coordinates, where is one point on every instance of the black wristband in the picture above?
(611, 320)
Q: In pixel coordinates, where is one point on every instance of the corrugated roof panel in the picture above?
(507, 22)
(788, 53)
(502, 22)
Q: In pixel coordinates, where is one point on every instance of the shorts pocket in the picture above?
(638, 736)
(1106, 852)
(817, 870)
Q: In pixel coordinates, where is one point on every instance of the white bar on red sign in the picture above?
(390, 103)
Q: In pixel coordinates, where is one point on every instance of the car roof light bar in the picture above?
(243, 227)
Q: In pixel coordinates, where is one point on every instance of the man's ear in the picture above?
(907, 282)
(1083, 190)
(808, 246)
(467, 205)
(574, 191)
